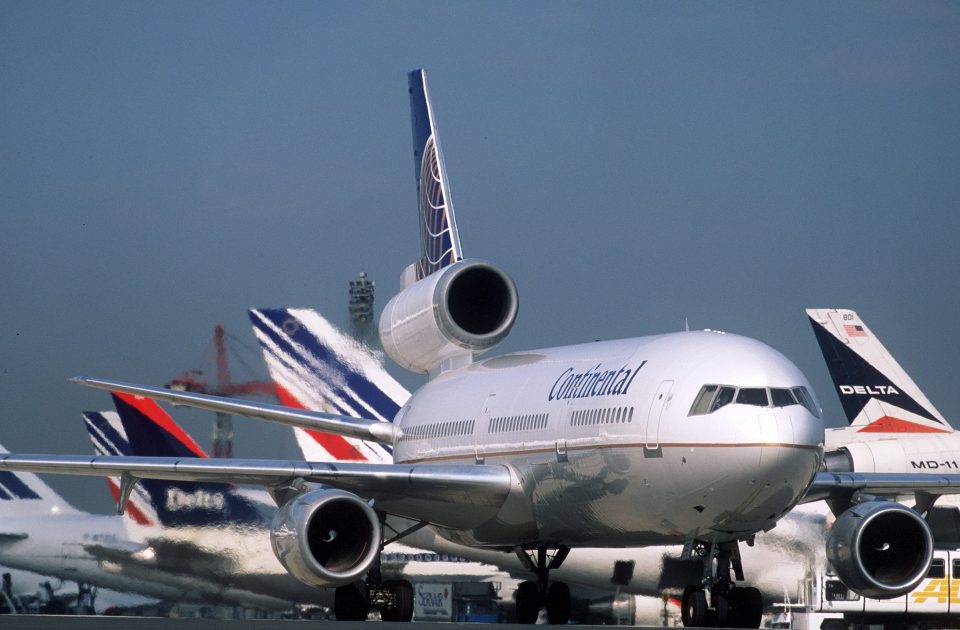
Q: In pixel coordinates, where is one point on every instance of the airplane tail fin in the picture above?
(439, 240)
(25, 494)
(110, 438)
(876, 393)
(315, 366)
(142, 428)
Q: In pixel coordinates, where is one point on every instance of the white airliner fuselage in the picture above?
(602, 446)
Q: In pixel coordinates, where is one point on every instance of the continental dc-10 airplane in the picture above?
(694, 438)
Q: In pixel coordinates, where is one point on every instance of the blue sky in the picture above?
(164, 166)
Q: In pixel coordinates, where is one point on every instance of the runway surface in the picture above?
(43, 622)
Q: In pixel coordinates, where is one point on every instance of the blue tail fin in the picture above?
(439, 240)
(25, 494)
(315, 366)
(146, 430)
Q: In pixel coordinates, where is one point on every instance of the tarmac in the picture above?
(49, 622)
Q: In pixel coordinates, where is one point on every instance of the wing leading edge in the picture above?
(455, 496)
(362, 428)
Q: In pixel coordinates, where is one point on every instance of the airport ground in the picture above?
(45, 622)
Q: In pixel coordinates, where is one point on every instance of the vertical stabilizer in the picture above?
(25, 494)
(142, 428)
(439, 241)
(315, 366)
(876, 393)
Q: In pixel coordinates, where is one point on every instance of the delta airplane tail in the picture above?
(141, 428)
(439, 240)
(24, 494)
(315, 366)
(876, 393)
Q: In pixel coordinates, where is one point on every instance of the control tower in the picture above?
(362, 326)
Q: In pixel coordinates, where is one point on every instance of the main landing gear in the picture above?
(532, 596)
(730, 606)
(393, 598)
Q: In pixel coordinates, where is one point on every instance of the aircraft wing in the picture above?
(362, 428)
(456, 496)
(842, 487)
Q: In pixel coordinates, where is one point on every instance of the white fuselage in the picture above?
(604, 449)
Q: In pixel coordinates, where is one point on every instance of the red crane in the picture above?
(193, 381)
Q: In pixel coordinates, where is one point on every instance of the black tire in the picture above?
(721, 610)
(694, 607)
(387, 613)
(833, 624)
(558, 603)
(403, 601)
(528, 603)
(350, 603)
(746, 608)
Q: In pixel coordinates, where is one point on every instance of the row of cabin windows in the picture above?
(938, 569)
(608, 415)
(438, 430)
(527, 422)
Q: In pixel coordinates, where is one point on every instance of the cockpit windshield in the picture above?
(713, 397)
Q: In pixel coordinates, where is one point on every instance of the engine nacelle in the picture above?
(880, 549)
(326, 537)
(466, 308)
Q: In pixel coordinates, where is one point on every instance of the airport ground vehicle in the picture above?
(825, 603)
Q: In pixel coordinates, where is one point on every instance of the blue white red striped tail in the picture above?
(142, 428)
(439, 240)
(24, 494)
(315, 366)
(109, 438)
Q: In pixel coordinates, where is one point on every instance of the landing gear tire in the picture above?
(694, 610)
(350, 603)
(721, 610)
(558, 603)
(402, 607)
(746, 607)
(528, 602)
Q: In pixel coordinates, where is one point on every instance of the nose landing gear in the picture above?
(730, 606)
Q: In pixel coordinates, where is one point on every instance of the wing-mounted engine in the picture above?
(461, 310)
(880, 549)
(326, 537)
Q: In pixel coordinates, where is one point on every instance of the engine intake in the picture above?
(466, 308)
(880, 549)
(326, 537)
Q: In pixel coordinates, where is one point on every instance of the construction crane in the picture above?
(194, 381)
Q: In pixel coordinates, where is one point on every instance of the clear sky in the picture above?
(164, 166)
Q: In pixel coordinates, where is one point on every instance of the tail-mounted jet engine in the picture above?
(326, 537)
(468, 307)
(880, 549)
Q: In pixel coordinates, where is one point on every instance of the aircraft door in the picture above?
(660, 401)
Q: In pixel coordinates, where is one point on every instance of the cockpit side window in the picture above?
(701, 404)
(724, 397)
(805, 399)
(756, 396)
(782, 397)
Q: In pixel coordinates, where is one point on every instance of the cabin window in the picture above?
(701, 404)
(756, 396)
(724, 397)
(805, 399)
(782, 397)
(938, 569)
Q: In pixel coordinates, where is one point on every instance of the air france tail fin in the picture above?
(109, 438)
(142, 428)
(876, 393)
(315, 366)
(25, 494)
(439, 240)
